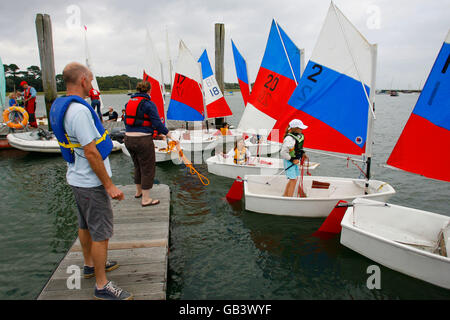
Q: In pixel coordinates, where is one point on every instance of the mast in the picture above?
(371, 113)
(169, 59)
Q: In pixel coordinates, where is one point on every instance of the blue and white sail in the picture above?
(277, 78)
(335, 94)
(215, 103)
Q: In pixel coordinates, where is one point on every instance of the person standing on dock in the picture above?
(86, 145)
(95, 102)
(141, 122)
(29, 96)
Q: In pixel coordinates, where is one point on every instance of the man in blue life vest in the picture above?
(85, 145)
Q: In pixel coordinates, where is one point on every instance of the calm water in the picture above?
(217, 251)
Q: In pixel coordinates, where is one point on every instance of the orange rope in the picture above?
(188, 164)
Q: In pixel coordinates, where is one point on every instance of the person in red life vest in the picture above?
(141, 121)
(95, 101)
(29, 100)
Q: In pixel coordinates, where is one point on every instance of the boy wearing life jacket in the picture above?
(292, 152)
(29, 96)
(240, 154)
(85, 146)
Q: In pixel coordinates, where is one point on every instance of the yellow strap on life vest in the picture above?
(71, 145)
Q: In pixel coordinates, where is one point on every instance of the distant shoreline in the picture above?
(115, 91)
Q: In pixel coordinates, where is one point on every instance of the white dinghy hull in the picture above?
(399, 238)
(263, 194)
(30, 141)
(226, 167)
(160, 156)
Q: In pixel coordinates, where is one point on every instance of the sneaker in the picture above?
(112, 292)
(89, 272)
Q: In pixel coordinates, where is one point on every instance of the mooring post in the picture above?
(45, 43)
(219, 51)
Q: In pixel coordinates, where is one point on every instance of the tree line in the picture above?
(33, 76)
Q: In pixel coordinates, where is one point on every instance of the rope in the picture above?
(350, 159)
(204, 180)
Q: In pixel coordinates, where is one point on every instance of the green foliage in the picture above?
(33, 75)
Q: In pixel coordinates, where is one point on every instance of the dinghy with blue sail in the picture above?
(241, 73)
(411, 241)
(187, 103)
(334, 98)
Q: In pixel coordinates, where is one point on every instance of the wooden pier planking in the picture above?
(139, 244)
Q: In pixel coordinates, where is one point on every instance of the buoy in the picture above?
(236, 191)
(15, 124)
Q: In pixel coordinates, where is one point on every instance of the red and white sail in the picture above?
(153, 74)
(186, 101)
(216, 105)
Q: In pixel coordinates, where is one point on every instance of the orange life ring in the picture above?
(15, 124)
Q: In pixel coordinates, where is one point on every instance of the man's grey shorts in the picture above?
(94, 212)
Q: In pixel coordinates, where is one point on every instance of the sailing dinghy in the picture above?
(410, 241)
(40, 141)
(224, 166)
(241, 73)
(334, 98)
(276, 80)
(186, 102)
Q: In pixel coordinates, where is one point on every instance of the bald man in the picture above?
(89, 175)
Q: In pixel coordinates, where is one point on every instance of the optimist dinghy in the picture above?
(225, 166)
(187, 102)
(411, 241)
(333, 84)
(162, 152)
(40, 141)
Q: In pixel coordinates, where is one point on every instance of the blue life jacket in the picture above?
(57, 112)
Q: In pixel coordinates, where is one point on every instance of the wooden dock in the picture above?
(139, 245)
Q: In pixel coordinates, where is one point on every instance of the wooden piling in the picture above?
(219, 61)
(45, 44)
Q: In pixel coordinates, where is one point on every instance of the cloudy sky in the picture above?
(409, 33)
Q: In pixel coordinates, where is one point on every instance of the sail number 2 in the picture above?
(306, 89)
(438, 83)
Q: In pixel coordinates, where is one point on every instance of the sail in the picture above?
(424, 144)
(276, 80)
(153, 74)
(241, 73)
(332, 97)
(216, 105)
(186, 101)
(2, 85)
(90, 66)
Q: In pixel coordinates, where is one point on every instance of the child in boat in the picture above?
(241, 155)
(292, 152)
